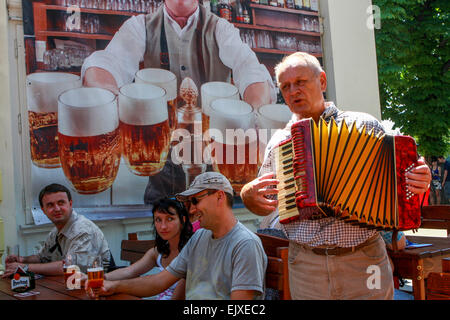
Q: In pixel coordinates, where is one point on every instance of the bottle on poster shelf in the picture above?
(289, 4)
(306, 5)
(265, 2)
(214, 7)
(298, 4)
(273, 3)
(281, 3)
(314, 5)
(246, 16)
(225, 10)
(239, 12)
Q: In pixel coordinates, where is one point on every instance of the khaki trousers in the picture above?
(362, 275)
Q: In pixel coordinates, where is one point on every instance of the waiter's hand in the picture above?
(419, 178)
(100, 78)
(257, 94)
(254, 194)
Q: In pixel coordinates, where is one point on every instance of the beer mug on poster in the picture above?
(166, 80)
(269, 118)
(211, 91)
(234, 146)
(43, 89)
(89, 138)
(72, 275)
(95, 273)
(144, 128)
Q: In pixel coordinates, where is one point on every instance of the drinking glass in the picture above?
(43, 89)
(144, 127)
(166, 80)
(234, 147)
(89, 138)
(95, 274)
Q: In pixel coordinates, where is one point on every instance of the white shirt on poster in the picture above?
(126, 50)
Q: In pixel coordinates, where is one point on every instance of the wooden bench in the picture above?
(436, 217)
(277, 274)
(132, 249)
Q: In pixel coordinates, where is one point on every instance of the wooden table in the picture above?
(53, 288)
(416, 264)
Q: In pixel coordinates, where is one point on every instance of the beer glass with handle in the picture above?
(269, 118)
(234, 147)
(70, 268)
(211, 91)
(166, 80)
(89, 138)
(43, 89)
(144, 127)
(95, 274)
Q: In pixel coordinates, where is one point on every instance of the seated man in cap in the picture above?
(73, 235)
(223, 260)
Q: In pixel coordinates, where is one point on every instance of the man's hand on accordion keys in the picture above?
(419, 178)
(256, 194)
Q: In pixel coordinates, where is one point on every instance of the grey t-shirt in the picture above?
(213, 268)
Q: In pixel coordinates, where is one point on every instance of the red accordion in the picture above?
(347, 173)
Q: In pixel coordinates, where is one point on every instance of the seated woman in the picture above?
(172, 231)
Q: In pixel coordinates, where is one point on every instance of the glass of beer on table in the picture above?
(89, 138)
(144, 127)
(43, 89)
(211, 91)
(234, 141)
(269, 118)
(70, 268)
(166, 80)
(95, 274)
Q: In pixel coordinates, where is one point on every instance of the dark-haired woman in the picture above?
(172, 231)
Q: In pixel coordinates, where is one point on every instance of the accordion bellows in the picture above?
(346, 173)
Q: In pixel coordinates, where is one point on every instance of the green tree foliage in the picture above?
(413, 52)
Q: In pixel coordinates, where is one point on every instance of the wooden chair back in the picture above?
(436, 217)
(277, 274)
(133, 250)
(438, 283)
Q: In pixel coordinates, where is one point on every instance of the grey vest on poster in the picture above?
(183, 51)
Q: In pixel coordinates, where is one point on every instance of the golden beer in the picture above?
(230, 162)
(44, 139)
(95, 277)
(145, 147)
(90, 163)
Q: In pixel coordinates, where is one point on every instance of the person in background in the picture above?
(328, 258)
(436, 183)
(73, 234)
(446, 181)
(223, 260)
(172, 231)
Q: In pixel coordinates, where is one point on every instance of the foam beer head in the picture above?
(213, 90)
(161, 78)
(85, 112)
(142, 104)
(273, 116)
(231, 114)
(43, 89)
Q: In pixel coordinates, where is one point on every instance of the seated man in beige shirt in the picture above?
(73, 234)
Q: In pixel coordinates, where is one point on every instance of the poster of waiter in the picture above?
(129, 100)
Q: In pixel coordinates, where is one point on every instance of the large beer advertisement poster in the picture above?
(178, 109)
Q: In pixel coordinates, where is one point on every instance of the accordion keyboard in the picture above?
(287, 207)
